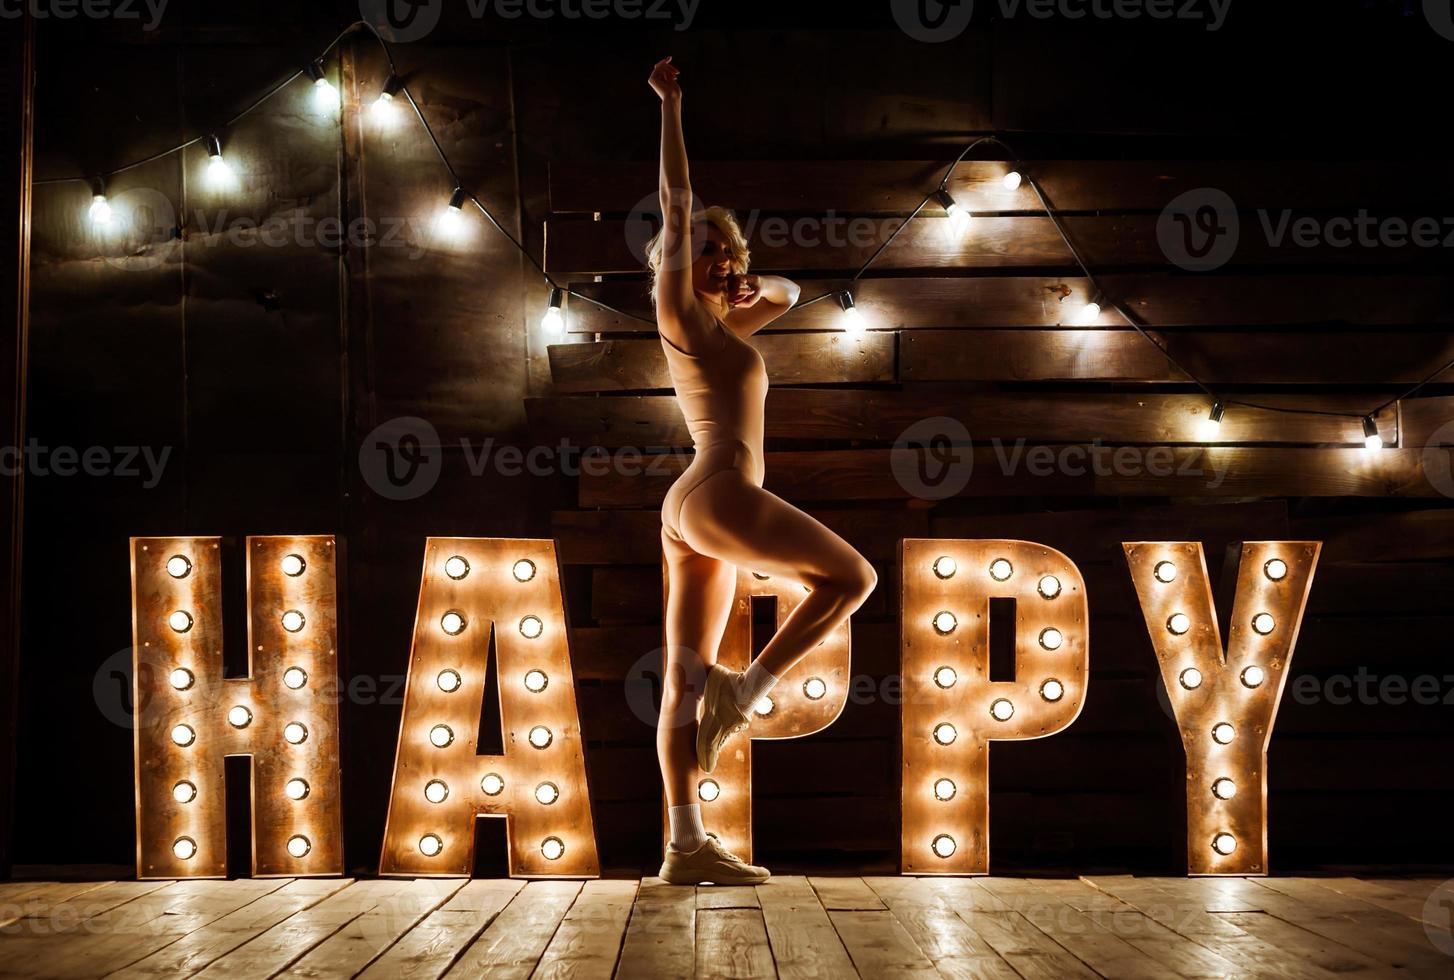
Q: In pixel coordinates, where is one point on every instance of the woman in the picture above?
(717, 517)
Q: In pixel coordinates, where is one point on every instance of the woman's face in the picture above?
(713, 263)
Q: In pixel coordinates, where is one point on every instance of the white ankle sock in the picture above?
(754, 684)
(687, 832)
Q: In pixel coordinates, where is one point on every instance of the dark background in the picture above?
(261, 369)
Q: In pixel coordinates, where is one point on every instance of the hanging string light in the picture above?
(100, 210)
(325, 96)
(553, 322)
(958, 216)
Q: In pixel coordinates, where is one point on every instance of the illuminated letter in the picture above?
(1225, 706)
(952, 709)
(807, 699)
(469, 587)
(189, 717)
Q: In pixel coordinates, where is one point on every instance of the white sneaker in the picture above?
(721, 718)
(710, 863)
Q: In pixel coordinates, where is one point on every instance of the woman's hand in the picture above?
(743, 290)
(663, 80)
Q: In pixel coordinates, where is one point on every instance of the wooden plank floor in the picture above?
(895, 927)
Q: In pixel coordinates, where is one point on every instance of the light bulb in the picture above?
(448, 681)
(183, 735)
(178, 566)
(943, 845)
(299, 846)
(452, 623)
(293, 621)
(708, 790)
(1224, 844)
(1049, 586)
(182, 678)
(383, 107)
(1051, 638)
(1164, 571)
(944, 622)
(547, 793)
(100, 210)
(1224, 788)
(852, 320)
(180, 620)
(540, 736)
(1371, 438)
(945, 677)
(293, 565)
(456, 567)
(945, 567)
(959, 218)
(1052, 690)
(1254, 676)
(218, 172)
(814, 688)
(1223, 733)
(1275, 569)
(1011, 180)
(239, 716)
(1178, 623)
(1002, 709)
(492, 784)
(295, 732)
(1191, 678)
(184, 848)
(764, 705)
(1263, 623)
(441, 735)
(184, 792)
(1089, 313)
(294, 678)
(1001, 569)
(531, 627)
(1212, 424)
(430, 845)
(944, 789)
(450, 219)
(523, 570)
(944, 733)
(553, 322)
(296, 789)
(535, 681)
(552, 848)
(325, 96)
(436, 791)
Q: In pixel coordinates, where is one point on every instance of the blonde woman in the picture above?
(716, 517)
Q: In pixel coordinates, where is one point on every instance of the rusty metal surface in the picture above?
(1222, 696)
(967, 702)
(204, 706)
(489, 596)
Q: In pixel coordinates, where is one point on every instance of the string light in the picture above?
(1212, 424)
(218, 171)
(1090, 312)
(958, 216)
(383, 107)
(451, 221)
(100, 210)
(553, 322)
(1011, 180)
(852, 319)
(1371, 439)
(325, 96)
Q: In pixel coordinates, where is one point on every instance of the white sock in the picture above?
(687, 832)
(754, 684)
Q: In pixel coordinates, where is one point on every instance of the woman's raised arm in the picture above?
(676, 303)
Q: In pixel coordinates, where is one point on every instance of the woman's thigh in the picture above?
(699, 594)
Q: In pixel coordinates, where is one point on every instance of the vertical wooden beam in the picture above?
(17, 94)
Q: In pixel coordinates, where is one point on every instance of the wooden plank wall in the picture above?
(979, 328)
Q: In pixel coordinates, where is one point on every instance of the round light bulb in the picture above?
(535, 681)
(430, 845)
(1275, 569)
(523, 570)
(547, 793)
(1253, 676)
(944, 733)
(180, 621)
(945, 677)
(299, 846)
(325, 96)
(456, 567)
(944, 789)
(295, 732)
(553, 321)
(1052, 690)
(1089, 313)
(708, 790)
(943, 845)
(1223, 733)
(448, 681)
(184, 792)
(1001, 569)
(1051, 638)
(1178, 623)
(492, 784)
(944, 622)
(436, 791)
(1224, 788)
(540, 736)
(764, 705)
(1002, 709)
(814, 688)
(1049, 586)
(452, 623)
(293, 565)
(182, 678)
(295, 678)
(1191, 678)
(293, 621)
(1011, 180)
(1164, 571)
(531, 627)
(1263, 623)
(440, 736)
(552, 848)
(183, 735)
(184, 848)
(100, 210)
(178, 566)
(239, 716)
(296, 789)
(945, 567)
(1224, 844)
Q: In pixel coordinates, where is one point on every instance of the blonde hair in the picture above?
(718, 217)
